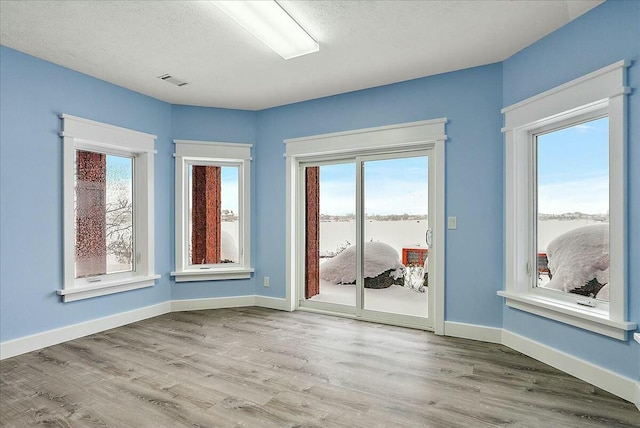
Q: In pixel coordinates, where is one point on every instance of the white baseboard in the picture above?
(229, 302)
(212, 303)
(609, 381)
(474, 332)
(272, 303)
(615, 383)
(11, 348)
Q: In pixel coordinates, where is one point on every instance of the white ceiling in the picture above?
(362, 44)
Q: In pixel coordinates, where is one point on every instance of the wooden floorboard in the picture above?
(255, 367)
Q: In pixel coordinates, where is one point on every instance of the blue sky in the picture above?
(573, 169)
(119, 168)
(119, 178)
(394, 186)
(228, 187)
(119, 171)
(573, 175)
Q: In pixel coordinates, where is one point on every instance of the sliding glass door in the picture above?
(366, 231)
(396, 223)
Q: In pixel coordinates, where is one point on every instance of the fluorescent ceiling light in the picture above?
(272, 25)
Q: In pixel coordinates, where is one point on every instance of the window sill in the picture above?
(212, 274)
(596, 322)
(107, 287)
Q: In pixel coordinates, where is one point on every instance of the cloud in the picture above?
(382, 197)
(338, 197)
(589, 196)
(392, 186)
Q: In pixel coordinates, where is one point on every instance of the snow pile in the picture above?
(603, 294)
(578, 256)
(228, 247)
(378, 258)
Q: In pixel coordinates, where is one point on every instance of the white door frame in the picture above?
(406, 137)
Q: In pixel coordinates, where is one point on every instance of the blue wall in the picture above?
(469, 99)
(34, 93)
(607, 34)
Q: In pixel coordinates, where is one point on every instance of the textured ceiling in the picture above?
(362, 44)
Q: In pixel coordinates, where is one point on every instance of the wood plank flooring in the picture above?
(254, 367)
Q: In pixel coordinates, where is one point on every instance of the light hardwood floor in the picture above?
(254, 367)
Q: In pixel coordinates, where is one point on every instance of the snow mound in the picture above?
(378, 258)
(603, 294)
(228, 247)
(578, 256)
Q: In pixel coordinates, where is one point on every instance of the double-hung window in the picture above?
(212, 211)
(108, 209)
(565, 201)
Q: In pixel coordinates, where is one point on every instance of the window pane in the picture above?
(230, 208)
(330, 233)
(104, 214)
(573, 209)
(396, 207)
(213, 218)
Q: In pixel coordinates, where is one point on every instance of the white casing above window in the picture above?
(598, 93)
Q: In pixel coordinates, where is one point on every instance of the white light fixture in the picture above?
(272, 25)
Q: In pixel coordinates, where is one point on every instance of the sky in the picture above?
(573, 176)
(228, 188)
(119, 177)
(393, 186)
(573, 169)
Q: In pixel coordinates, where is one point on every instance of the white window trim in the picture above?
(204, 152)
(79, 133)
(602, 90)
(412, 136)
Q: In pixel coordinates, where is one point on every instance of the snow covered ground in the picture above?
(400, 234)
(379, 259)
(395, 299)
(410, 233)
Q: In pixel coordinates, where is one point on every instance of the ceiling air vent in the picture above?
(169, 78)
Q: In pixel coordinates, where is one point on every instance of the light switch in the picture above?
(451, 223)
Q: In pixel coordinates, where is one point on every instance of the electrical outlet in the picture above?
(266, 281)
(452, 223)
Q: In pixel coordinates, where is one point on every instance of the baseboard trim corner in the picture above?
(22, 345)
(612, 382)
(272, 303)
(472, 331)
